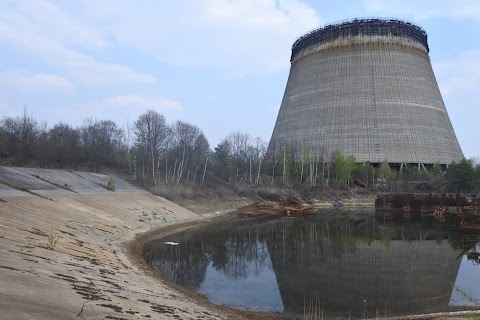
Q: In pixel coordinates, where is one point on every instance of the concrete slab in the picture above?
(49, 182)
(102, 179)
(66, 180)
(90, 272)
(21, 178)
(13, 193)
(6, 191)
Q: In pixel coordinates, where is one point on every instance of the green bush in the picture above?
(111, 184)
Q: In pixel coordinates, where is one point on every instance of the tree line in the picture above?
(152, 151)
(156, 153)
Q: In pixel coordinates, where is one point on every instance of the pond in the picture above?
(342, 264)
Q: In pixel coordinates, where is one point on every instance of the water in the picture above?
(339, 264)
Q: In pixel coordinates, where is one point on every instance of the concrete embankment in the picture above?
(89, 273)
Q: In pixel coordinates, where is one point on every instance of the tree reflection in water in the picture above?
(232, 248)
(397, 266)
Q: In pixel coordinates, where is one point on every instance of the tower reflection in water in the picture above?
(343, 266)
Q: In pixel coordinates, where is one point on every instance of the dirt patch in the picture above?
(237, 198)
(207, 205)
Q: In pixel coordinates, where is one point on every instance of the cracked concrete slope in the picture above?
(88, 274)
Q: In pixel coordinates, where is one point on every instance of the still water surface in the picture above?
(346, 264)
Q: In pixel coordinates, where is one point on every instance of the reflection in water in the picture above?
(390, 274)
(243, 292)
(358, 267)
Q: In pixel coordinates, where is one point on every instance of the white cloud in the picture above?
(92, 72)
(425, 9)
(244, 36)
(47, 19)
(20, 80)
(47, 32)
(140, 102)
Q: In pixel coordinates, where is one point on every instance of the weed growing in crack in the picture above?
(52, 241)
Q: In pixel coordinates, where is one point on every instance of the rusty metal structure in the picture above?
(365, 87)
(458, 204)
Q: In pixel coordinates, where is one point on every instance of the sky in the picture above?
(219, 64)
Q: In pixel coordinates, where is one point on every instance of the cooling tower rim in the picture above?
(360, 26)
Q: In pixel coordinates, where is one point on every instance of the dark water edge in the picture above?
(344, 264)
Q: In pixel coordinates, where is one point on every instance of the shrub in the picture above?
(111, 184)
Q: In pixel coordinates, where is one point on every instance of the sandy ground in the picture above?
(91, 273)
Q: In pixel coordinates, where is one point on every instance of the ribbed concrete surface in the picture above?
(374, 97)
(90, 273)
(57, 182)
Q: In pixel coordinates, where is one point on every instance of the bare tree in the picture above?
(189, 148)
(44, 149)
(239, 144)
(126, 150)
(150, 132)
(11, 132)
(240, 155)
(101, 140)
(65, 144)
(257, 151)
(20, 135)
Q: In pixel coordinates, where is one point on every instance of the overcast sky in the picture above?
(219, 64)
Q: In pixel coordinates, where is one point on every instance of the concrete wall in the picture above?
(374, 97)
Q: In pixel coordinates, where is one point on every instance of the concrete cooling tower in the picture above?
(366, 88)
